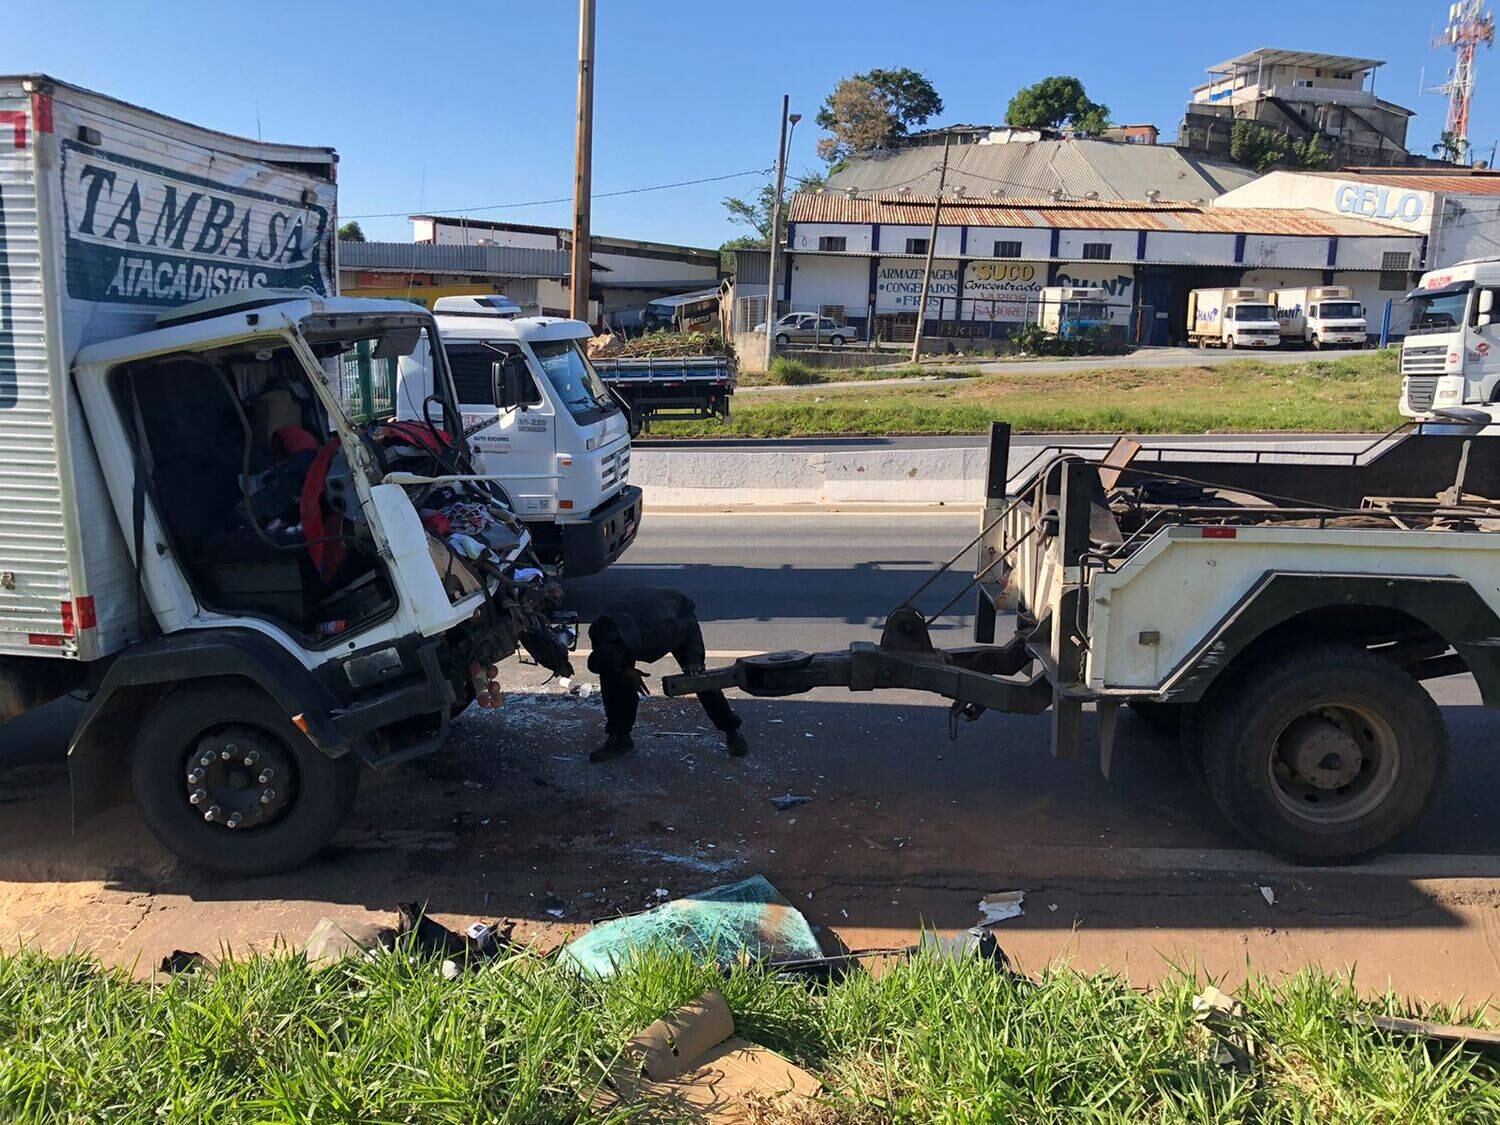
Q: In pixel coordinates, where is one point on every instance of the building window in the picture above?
(829, 242)
(916, 246)
(1096, 251)
(1394, 267)
(1007, 249)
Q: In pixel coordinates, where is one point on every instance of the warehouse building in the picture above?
(535, 279)
(628, 273)
(1454, 213)
(861, 258)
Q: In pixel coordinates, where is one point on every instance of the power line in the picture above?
(560, 199)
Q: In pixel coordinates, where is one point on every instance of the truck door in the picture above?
(519, 444)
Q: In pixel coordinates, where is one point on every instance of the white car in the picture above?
(811, 328)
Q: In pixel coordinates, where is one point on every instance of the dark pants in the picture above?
(621, 693)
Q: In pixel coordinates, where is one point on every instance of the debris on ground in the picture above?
(1000, 906)
(551, 905)
(182, 961)
(1269, 895)
(1479, 1038)
(788, 801)
(874, 963)
(689, 1065)
(749, 918)
(431, 937)
(976, 941)
(332, 940)
(1224, 1017)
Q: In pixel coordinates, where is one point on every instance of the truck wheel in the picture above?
(1229, 343)
(1325, 755)
(1317, 344)
(228, 784)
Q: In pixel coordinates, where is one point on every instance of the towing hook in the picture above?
(969, 711)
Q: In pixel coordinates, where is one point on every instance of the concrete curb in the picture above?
(712, 477)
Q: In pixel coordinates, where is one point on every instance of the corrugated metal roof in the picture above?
(1277, 56)
(830, 207)
(423, 257)
(1448, 183)
(1033, 169)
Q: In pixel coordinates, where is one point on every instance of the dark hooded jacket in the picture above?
(643, 626)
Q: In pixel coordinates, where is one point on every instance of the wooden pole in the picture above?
(583, 161)
(786, 104)
(937, 209)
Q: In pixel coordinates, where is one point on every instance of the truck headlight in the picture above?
(371, 668)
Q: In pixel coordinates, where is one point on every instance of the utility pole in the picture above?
(584, 160)
(786, 103)
(937, 209)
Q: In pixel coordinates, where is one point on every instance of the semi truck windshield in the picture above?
(1438, 314)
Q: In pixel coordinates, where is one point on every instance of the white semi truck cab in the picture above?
(557, 440)
(1316, 316)
(1450, 359)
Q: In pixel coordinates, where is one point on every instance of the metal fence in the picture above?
(367, 384)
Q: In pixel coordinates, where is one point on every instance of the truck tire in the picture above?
(1317, 343)
(1324, 755)
(1229, 343)
(206, 748)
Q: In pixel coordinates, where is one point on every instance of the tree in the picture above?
(1262, 147)
(1055, 102)
(756, 212)
(350, 232)
(872, 110)
(1449, 147)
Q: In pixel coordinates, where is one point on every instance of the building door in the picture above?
(1164, 289)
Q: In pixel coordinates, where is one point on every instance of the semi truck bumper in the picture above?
(590, 546)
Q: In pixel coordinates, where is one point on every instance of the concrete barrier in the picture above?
(712, 477)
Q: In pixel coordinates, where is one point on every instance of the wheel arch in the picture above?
(1414, 618)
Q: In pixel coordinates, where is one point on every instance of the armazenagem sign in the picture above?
(148, 235)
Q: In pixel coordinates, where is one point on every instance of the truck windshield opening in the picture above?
(569, 371)
(1441, 313)
(1254, 312)
(1340, 310)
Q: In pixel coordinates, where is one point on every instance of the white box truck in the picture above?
(1232, 318)
(1319, 315)
(1450, 358)
(561, 451)
(244, 583)
(1070, 310)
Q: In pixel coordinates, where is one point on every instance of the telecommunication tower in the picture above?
(1469, 28)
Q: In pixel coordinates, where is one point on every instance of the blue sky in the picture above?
(436, 105)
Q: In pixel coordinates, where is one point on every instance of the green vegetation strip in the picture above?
(271, 1040)
(1357, 394)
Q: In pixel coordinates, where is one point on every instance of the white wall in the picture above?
(1469, 228)
(1282, 251)
(1122, 242)
(1400, 208)
(893, 239)
(1003, 290)
(1189, 248)
(1117, 279)
(1035, 243)
(822, 280)
(856, 236)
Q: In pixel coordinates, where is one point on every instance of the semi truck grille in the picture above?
(1423, 360)
(1419, 391)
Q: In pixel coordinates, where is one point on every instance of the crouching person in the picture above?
(643, 626)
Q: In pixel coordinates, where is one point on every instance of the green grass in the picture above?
(789, 371)
(1354, 394)
(271, 1040)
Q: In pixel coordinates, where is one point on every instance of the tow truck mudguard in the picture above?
(335, 725)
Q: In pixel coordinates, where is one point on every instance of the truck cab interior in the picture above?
(247, 476)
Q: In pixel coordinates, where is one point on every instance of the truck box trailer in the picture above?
(255, 594)
(1232, 318)
(1315, 316)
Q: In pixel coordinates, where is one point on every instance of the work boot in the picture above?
(735, 742)
(614, 746)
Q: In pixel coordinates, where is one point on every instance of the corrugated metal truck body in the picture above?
(110, 214)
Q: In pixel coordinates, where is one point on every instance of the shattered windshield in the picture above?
(361, 357)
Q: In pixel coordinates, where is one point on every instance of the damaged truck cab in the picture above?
(255, 595)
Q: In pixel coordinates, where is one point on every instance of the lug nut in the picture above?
(233, 821)
(268, 796)
(207, 759)
(252, 757)
(197, 797)
(213, 813)
(194, 776)
(224, 755)
(266, 775)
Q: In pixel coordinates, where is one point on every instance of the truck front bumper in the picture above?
(590, 546)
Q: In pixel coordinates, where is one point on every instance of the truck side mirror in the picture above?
(1486, 309)
(510, 381)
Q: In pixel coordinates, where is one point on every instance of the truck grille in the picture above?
(1423, 360)
(1419, 391)
(615, 468)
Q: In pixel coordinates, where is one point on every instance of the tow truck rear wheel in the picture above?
(1324, 755)
(228, 784)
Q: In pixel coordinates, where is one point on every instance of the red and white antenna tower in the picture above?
(1468, 29)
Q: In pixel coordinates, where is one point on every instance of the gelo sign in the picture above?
(1374, 202)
